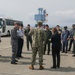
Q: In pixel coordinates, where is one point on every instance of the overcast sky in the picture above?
(60, 12)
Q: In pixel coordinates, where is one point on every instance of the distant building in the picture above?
(41, 16)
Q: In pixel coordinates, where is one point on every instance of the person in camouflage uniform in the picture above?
(48, 35)
(71, 37)
(28, 37)
(0, 38)
(74, 44)
(14, 43)
(37, 45)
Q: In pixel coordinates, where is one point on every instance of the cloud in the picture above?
(67, 12)
(60, 11)
(66, 17)
(30, 19)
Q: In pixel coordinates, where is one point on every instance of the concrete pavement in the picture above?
(22, 68)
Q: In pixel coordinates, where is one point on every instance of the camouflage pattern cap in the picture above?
(40, 22)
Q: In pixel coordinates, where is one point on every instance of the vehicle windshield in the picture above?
(0, 23)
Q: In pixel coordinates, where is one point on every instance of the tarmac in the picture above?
(22, 68)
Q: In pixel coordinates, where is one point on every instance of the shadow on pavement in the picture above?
(5, 59)
(63, 55)
(62, 69)
(28, 63)
(27, 52)
(26, 58)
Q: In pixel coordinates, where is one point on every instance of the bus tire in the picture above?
(8, 33)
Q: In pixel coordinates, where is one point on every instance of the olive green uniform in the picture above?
(74, 44)
(37, 44)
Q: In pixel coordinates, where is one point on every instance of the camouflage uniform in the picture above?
(28, 38)
(48, 35)
(74, 44)
(37, 45)
(0, 36)
(14, 43)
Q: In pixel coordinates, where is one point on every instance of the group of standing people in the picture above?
(59, 39)
(66, 36)
(39, 38)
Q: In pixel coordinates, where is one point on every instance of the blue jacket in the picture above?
(65, 35)
(71, 33)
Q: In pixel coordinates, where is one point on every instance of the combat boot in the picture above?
(41, 67)
(31, 67)
(13, 63)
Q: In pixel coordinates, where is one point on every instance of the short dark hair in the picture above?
(47, 25)
(73, 25)
(28, 25)
(65, 27)
(57, 26)
(21, 25)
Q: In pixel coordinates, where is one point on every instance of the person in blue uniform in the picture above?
(20, 34)
(14, 43)
(65, 38)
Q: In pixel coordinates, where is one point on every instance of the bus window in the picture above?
(9, 22)
(3, 27)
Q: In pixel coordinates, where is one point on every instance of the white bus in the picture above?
(6, 25)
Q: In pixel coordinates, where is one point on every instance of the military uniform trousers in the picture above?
(70, 45)
(47, 43)
(29, 40)
(40, 53)
(14, 52)
(74, 46)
